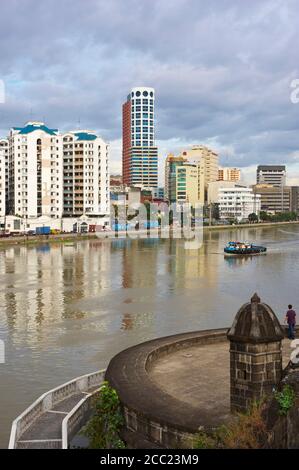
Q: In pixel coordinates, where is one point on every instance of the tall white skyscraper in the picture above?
(140, 155)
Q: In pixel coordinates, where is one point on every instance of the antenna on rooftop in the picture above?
(79, 123)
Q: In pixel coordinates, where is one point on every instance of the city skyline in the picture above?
(233, 95)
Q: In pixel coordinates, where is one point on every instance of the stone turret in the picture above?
(255, 353)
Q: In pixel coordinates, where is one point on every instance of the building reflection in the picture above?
(39, 285)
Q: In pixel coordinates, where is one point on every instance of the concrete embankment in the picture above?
(72, 237)
(39, 239)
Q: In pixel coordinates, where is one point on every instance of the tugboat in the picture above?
(239, 248)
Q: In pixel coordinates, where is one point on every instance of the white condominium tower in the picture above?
(85, 174)
(2, 182)
(140, 155)
(57, 175)
(4, 147)
(35, 167)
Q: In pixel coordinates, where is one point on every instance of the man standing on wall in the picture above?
(291, 321)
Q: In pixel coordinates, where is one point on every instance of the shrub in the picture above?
(286, 399)
(245, 431)
(104, 427)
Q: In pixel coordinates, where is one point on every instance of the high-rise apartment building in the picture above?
(140, 155)
(35, 168)
(271, 174)
(2, 183)
(229, 174)
(85, 174)
(4, 147)
(55, 175)
(207, 163)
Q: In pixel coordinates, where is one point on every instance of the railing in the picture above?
(49, 399)
(76, 418)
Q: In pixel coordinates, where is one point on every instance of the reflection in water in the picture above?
(67, 309)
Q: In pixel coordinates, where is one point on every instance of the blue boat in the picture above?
(240, 248)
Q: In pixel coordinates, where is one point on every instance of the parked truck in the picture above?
(45, 230)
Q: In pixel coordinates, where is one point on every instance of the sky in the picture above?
(222, 72)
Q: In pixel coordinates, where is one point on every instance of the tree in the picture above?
(253, 218)
(264, 216)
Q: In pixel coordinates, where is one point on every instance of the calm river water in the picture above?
(65, 310)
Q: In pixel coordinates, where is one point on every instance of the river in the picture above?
(66, 309)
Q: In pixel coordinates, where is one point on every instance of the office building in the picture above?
(274, 199)
(238, 202)
(140, 154)
(171, 163)
(229, 174)
(187, 184)
(158, 193)
(271, 174)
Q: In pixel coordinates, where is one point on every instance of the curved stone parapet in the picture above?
(153, 415)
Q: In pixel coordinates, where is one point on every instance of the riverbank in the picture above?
(254, 225)
(40, 239)
(72, 237)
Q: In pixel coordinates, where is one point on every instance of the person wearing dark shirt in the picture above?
(291, 321)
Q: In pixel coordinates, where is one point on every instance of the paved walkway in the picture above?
(199, 376)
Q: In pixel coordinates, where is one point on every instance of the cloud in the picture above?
(221, 69)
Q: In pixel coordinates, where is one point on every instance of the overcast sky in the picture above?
(221, 69)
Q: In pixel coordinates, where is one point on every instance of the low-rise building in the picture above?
(238, 202)
(275, 199)
(214, 186)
